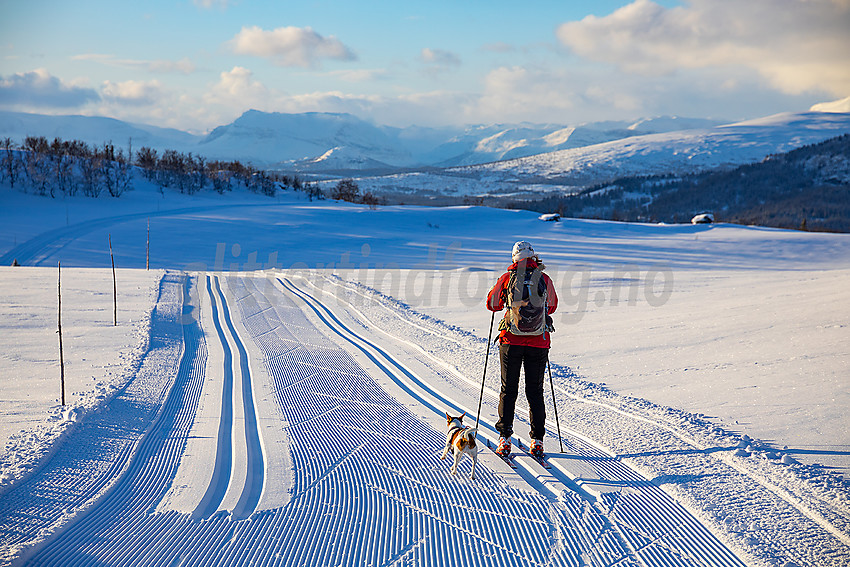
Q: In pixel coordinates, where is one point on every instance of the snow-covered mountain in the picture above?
(309, 139)
(483, 144)
(325, 141)
(670, 152)
(94, 130)
(573, 155)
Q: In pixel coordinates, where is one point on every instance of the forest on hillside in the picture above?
(72, 167)
(807, 188)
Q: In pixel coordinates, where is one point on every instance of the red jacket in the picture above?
(496, 302)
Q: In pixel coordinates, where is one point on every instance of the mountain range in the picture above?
(684, 151)
(497, 159)
(332, 142)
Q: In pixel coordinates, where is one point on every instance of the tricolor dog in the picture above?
(461, 440)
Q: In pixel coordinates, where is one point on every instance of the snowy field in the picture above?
(280, 403)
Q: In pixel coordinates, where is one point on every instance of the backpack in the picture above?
(525, 297)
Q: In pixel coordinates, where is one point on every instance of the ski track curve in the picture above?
(368, 487)
(38, 249)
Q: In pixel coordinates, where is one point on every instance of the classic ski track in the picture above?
(91, 477)
(223, 467)
(640, 515)
(255, 475)
(780, 492)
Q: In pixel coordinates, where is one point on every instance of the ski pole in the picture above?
(486, 356)
(555, 404)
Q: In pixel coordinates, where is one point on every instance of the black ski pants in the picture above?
(513, 358)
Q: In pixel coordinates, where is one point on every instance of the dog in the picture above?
(462, 440)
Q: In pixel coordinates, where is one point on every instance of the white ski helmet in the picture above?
(522, 250)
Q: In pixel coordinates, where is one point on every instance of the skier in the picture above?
(530, 298)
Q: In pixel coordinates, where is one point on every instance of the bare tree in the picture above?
(62, 164)
(370, 199)
(346, 190)
(147, 160)
(11, 162)
(37, 164)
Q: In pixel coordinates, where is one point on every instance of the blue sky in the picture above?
(197, 64)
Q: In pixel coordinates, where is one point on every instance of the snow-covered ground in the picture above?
(699, 360)
(99, 356)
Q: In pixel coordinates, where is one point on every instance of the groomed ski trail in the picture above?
(640, 518)
(368, 486)
(734, 497)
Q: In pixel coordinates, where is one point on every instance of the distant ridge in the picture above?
(318, 142)
(683, 151)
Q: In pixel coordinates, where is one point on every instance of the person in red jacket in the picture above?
(524, 340)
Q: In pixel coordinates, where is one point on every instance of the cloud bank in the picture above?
(39, 89)
(796, 46)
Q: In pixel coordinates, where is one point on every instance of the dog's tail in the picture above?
(470, 435)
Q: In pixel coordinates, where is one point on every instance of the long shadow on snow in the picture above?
(97, 533)
(90, 456)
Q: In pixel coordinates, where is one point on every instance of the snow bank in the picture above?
(99, 357)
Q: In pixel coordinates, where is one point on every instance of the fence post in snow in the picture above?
(114, 286)
(61, 353)
(148, 247)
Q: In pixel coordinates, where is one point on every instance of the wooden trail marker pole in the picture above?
(148, 247)
(114, 287)
(61, 353)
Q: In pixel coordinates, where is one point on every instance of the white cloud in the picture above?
(797, 46)
(184, 66)
(208, 4)
(360, 75)
(135, 93)
(39, 89)
(289, 46)
(440, 57)
(237, 87)
(519, 93)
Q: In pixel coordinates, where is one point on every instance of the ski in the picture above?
(541, 460)
(509, 460)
